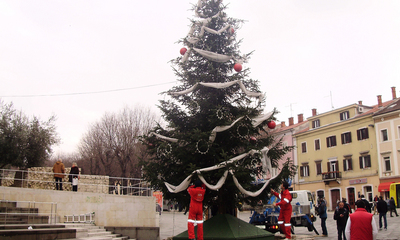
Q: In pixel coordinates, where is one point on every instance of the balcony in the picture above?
(331, 176)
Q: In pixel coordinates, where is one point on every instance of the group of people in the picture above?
(360, 224)
(59, 174)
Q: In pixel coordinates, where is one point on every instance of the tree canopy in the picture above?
(24, 142)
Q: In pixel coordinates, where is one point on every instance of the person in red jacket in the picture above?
(361, 224)
(286, 209)
(196, 192)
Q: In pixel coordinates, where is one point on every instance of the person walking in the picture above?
(196, 193)
(392, 205)
(361, 224)
(382, 209)
(346, 205)
(74, 176)
(286, 209)
(376, 199)
(323, 215)
(366, 202)
(341, 215)
(58, 170)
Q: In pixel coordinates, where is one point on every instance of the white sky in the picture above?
(303, 51)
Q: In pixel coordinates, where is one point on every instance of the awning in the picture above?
(384, 187)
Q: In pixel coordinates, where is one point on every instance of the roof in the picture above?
(392, 107)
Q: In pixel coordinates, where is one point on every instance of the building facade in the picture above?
(337, 154)
(387, 130)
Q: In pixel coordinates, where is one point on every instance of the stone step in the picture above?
(18, 210)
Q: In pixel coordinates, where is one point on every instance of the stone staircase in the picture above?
(90, 231)
(11, 214)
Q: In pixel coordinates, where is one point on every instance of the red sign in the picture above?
(358, 181)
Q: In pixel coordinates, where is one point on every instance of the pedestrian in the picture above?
(366, 202)
(74, 176)
(323, 215)
(376, 199)
(346, 205)
(286, 209)
(381, 206)
(392, 205)
(341, 215)
(196, 192)
(58, 170)
(361, 224)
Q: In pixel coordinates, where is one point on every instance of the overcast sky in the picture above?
(304, 52)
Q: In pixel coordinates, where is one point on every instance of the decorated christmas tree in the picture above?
(216, 128)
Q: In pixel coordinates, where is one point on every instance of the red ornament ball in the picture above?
(150, 144)
(232, 30)
(271, 125)
(237, 67)
(183, 51)
(253, 139)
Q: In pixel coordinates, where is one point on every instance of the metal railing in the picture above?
(82, 218)
(27, 212)
(86, 183)
(331, 175)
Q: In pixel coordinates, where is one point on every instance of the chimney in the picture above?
(300, 118)
(291, 121)
(314, 112)
(379, 100)
(394, 93)
(359, 102)
(283, 124)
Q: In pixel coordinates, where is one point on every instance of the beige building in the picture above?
(337, 154)
(387, 130)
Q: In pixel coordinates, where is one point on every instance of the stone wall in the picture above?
(110, 210)
(42, 178)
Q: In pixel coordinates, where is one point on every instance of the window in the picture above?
(365, 161)
(304, 147)
(346, 137)
(318, 166)
(347, 164)
(317, 144)
(386, 161)
(304, 170)
(362, 133)
(315, 123)
(384, 135)
(344, 115)
(331, 141)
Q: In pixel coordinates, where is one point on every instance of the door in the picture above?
(352, 197)
(335, 196)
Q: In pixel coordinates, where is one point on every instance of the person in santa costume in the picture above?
(286, 209)
(196, 192)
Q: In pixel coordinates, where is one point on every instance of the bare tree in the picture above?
(111, 146)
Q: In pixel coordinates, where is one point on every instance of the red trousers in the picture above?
(195, 216)
(284, 222)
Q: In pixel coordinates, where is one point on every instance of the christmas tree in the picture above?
(216, 125)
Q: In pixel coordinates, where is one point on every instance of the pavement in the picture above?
(174, 222)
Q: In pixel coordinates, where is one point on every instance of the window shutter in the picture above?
(366, 133)
(349, 137)
(361, 162)
(350, 164)
(358, 134)
(334, 141)
(337, 166)
(329, 167)
(343, 138)
(344, 165)
(368, 161)
(301, 171)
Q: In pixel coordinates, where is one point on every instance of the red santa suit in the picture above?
(196, 211)
(285, 213)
